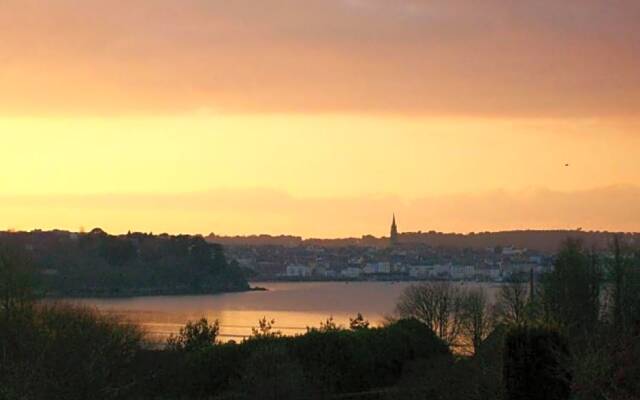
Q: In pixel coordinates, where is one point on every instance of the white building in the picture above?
(441, 271)
(399, 269)
(463, 272)
(421, 271)
(351, 272)
(299, 271)
(378, 268)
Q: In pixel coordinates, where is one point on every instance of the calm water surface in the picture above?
(294, 307)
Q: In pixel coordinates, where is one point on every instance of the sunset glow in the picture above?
(238, 118)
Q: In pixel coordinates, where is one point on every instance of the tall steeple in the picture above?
(393, 238)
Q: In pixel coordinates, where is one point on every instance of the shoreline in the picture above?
(143, 293)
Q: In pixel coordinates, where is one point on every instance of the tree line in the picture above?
(97, 264)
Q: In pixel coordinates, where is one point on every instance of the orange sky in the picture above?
(319, 118)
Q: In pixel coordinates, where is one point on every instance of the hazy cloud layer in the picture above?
(265, 211)
(494, 57)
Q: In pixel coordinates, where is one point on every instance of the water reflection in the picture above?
(294, 307)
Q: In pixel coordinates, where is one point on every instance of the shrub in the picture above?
(271, 373)
(66, 352)
(535, 361)
(195, 336)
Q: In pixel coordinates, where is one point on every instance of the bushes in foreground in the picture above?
(321, 363)
(536, 364)
(65, 352)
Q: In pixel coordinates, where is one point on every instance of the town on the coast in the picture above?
(387, 259)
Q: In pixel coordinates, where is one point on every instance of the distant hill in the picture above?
(544, 241)
(256, 240)
(540, 240)
(98, 264)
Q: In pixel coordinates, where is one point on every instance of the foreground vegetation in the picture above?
(574, 335)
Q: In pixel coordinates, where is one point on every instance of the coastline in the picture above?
(142, 293)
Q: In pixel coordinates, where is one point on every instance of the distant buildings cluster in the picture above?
(386, 270)
(396, 261)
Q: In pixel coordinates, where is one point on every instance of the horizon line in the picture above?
(310, 238)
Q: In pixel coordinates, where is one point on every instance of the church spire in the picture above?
(393, 238)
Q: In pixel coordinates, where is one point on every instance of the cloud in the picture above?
(435, 57)
(615, 208)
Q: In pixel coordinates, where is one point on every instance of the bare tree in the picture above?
(439, 305)
(477, 319)
(511, 306)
